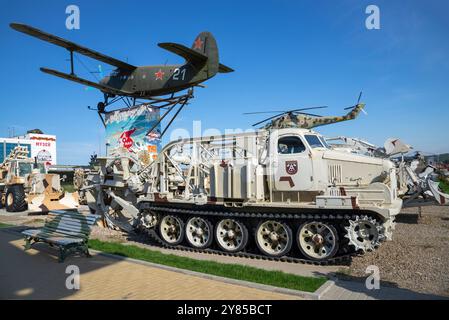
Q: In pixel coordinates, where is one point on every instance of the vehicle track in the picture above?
(341, 259)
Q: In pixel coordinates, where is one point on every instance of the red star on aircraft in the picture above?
(198, 43)
(159, 74)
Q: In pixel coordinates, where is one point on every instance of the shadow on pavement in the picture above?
(37, 274)
(349, 287)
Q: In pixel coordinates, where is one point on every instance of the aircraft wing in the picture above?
(85, 82)
(183, 51)
(70, 46)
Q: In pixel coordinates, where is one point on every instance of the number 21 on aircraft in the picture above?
(179, 72)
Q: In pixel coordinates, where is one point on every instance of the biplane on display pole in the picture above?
(144, 82)
(129, 83)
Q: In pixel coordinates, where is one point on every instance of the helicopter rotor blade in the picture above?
(288, 111)
(358, 101)
(310, 114)
(311, 108)
(360, 96)
(278, 115)
(261, 112)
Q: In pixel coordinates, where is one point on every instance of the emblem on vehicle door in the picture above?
(291, 167)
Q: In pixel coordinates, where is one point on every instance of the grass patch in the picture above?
(444, 186)
(4, 225)
(68, 187)
(234, 271)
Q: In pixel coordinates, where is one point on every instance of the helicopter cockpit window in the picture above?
(314, 141)
(290, 145)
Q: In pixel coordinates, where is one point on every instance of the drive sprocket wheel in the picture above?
(365, 233)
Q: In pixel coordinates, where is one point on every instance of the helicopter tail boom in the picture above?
(355, 111)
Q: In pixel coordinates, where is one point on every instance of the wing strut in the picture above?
(71, 46)
(72, 71)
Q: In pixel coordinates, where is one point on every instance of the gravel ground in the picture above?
(418, 257)
(105, 234)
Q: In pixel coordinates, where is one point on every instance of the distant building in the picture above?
(41, 146)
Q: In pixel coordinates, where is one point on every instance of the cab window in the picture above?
(323, 140)
(24, 169)
(41, 168)
(290, 145)
(313, 141)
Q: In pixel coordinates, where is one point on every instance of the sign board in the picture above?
(129, 129)
(43, 147)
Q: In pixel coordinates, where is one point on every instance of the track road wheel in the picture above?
(15, 199)
(171, 230)
(274, 238)
(231, 235)
(199, 232)
(317, 240)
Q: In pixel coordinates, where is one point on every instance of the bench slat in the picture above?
(66, 232)
(75, 215)
(52, 237)
(73, 220)
(59, 234)
(73, 226)
(45, 232)
(69, 224)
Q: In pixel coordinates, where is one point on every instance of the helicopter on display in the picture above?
(296, 118)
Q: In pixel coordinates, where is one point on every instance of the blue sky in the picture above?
(287, 54)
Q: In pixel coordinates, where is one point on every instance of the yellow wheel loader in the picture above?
(25, 184)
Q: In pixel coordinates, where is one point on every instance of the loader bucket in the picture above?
(46, 195)
(46, 202)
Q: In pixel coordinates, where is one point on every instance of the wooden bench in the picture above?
(67, 230)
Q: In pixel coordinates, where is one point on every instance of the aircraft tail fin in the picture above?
(204, 50)
(206, 44)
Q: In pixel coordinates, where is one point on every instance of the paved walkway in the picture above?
(298, 269)
(36, 274)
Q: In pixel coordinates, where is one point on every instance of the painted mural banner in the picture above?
(128, 129)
